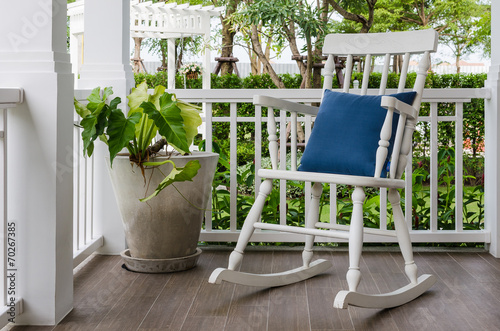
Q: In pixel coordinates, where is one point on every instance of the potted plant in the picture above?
(191, 70)
(161, 195)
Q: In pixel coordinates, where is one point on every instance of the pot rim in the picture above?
(194, 154)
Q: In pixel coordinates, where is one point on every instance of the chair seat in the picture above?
(317, 177)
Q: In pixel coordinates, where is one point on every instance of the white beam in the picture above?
(40, 182)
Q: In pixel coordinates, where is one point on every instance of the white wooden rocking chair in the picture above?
(357, 159)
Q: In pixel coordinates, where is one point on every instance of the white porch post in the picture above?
(40, 198)
(492, 137)
(107, 63)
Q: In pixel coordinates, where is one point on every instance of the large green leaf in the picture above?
(186, 173)
(95, 102)
(102, 120)
(155, 97)
(81, 109)
(106, 93)
(138, 95)
(88, 133)
(192, 119)
(121, 131)
(169, 121)
(145, 130)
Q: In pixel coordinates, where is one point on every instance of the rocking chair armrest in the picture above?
(266, 101)
(399, 106)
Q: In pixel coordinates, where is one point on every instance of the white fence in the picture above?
(245, 70)
(434, 234)
(235, 97)
(10, 302)
(85, 240)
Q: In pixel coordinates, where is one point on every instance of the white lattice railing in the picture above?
(10, 302)
(85, 240)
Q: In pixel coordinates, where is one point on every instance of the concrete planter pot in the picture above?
(162, 234)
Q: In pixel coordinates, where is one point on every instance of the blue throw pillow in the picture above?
(345, 136)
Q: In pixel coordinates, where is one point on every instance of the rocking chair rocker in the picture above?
(358, 139)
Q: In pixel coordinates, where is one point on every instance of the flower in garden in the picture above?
(190, 67)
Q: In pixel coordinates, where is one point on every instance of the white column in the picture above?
(492, 138)
(107, 63)
(40, 198)
(171, 63)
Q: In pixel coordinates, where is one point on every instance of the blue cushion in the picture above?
(345, 136)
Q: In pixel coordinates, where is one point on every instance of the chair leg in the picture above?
(311, 219)
(246, 232)
(355, 239)
(403, 236)
(390, 299)
(308, 270)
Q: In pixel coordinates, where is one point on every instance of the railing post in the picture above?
(107, 63)
(40, 182)
(492, 139)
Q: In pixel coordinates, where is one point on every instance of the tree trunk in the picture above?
(310, 61)
(366, 24)
(137, 55)
(228, 33)
(292, 42)
(257, 47)
(318, 51)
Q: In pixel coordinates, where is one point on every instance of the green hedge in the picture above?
(293, 81)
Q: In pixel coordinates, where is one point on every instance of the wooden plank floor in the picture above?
(107, 297)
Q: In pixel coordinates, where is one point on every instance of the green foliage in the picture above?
(160, 112)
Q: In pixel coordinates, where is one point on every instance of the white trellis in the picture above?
(153, 20)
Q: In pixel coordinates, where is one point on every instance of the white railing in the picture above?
(85, 241)
(84, 236)
(434, 96)
(10, 302)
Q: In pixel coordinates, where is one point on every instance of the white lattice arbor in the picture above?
(154, 20)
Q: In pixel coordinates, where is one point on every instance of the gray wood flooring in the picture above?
(107, 297)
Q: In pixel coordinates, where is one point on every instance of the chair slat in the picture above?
(404, 72)
(366, 74)
(385, 74)
(328, 73)
(348, 73)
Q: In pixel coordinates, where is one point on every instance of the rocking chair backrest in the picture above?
(386, 45)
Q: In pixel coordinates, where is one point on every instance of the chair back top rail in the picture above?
(381, 43)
